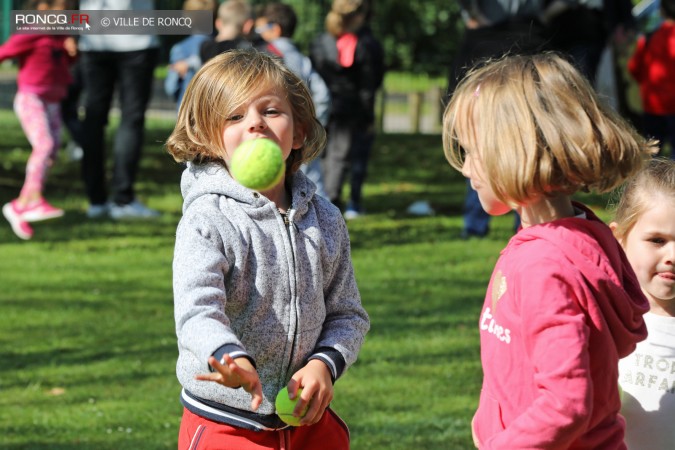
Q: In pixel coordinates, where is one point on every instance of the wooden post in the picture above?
(415, 110)
(436, 99)
(379, 118)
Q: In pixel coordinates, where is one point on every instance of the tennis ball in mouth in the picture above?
(285, 407)
(258, 164)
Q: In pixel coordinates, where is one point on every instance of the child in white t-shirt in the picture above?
(645, 226)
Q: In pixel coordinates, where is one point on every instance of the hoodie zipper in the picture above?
(285, 217)
(289, 225)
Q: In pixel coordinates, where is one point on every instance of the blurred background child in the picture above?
(563, 304)
(42, 82)
(234, 30)
(184, 58)
(351, 61)
(653, 67)
(645, 226)
(276, 24)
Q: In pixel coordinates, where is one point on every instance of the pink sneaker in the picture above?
(40, 211)
(19, 226)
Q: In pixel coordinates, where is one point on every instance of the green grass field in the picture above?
(87, 341)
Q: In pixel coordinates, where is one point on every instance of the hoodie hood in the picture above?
(589, 245)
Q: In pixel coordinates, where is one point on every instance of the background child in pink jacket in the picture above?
(42, 83)
(563, 304)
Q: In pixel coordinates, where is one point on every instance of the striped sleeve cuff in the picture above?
(332, 358)
(234, 351)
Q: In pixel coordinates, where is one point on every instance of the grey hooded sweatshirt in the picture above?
(249, 284)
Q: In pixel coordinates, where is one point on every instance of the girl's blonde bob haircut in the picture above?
(652, 186)
(540, 129)
(225, 83)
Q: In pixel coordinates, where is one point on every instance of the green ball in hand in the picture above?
(257, 164)
(285, 407)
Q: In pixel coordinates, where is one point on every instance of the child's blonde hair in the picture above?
(342, 18)
(540, 129)
(227, 82)
(49, 4)
(200, 5)
(235, 12)
(650, 185)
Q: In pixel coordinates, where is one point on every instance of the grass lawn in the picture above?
(87, 340)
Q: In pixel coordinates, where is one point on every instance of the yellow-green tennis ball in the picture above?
(285, 407)
(257, 164)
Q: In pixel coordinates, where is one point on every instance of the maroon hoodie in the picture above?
(562, 307)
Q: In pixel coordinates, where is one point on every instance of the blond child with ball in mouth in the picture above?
(264, 289)
(563, 304)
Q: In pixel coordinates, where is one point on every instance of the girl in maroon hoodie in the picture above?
(563, 304)
(42, 82)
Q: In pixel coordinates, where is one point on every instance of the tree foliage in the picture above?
(418, 36)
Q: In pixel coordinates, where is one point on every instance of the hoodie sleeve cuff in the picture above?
(332, 358)
(234, 351)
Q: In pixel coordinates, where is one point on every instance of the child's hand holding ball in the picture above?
(285, 407)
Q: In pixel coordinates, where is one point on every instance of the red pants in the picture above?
(198, 433)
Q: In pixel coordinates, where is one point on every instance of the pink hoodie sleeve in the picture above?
(17, 45)
(636, 64)
(556, 344)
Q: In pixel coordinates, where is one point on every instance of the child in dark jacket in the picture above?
(351, 61)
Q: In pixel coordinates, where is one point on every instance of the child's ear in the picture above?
(298, 139)
(277, 30)
(613, 226)
(248, 26)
